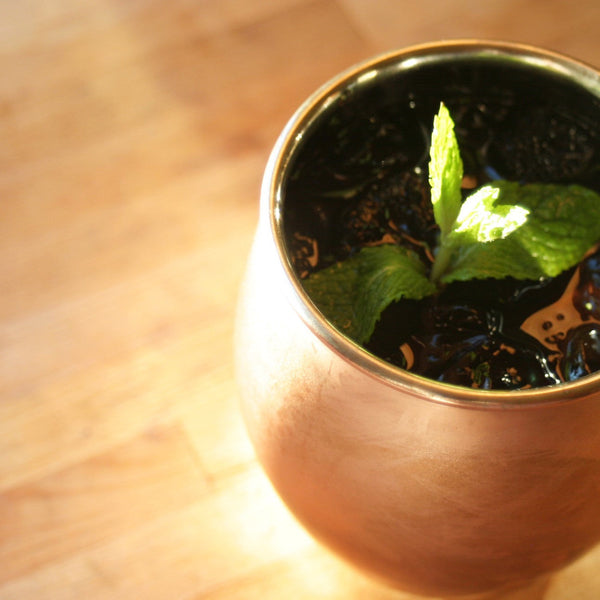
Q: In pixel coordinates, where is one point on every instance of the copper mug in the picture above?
(432, 488)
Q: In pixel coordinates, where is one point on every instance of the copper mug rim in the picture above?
(272, 199)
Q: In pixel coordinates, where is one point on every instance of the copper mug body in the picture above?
(433, 488)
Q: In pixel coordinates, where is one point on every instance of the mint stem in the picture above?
(441, 263)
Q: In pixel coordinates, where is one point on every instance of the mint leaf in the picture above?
(523, 231)
(445, 172)
(353, 293)
(484, 217)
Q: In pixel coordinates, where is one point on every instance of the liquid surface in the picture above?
(362, 180)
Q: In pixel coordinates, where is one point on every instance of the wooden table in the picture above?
(134, 135)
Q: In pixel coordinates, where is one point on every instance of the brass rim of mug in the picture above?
(272, 199)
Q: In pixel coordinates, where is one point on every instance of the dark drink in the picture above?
(362, 180)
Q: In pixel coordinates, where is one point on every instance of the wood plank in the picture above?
(198, 548)
(313, 574)
(89, 503)
(60, 423)
(552, 24)
(220, 441)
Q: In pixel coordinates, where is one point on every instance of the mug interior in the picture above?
(495, 92)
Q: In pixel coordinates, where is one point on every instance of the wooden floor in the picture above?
(134, 135)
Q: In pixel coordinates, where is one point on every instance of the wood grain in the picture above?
(134, 138)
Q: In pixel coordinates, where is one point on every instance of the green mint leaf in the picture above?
(523, 231)
(445, 172)
(484, 217)
(353, 293)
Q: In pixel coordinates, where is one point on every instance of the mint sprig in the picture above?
(503, 229)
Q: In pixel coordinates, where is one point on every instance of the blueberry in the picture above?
(400, 213)
(542, 144)
(363, 223)
(587, 295)
(497, 365)
(582, 352)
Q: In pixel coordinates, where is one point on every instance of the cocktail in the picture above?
(434, 487)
